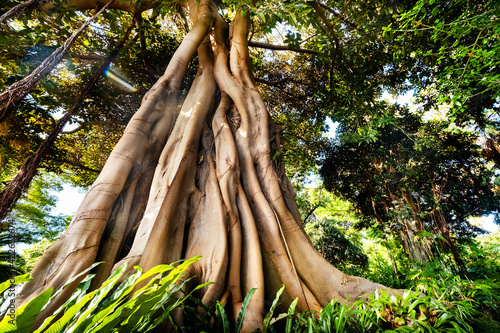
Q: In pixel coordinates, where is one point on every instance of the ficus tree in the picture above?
(199, 174)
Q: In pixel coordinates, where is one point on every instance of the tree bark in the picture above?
(199, 178)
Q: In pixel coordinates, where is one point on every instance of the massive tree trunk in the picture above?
(196, 177)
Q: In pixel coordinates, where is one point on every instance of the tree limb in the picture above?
(128, 6)
(97, 122)
(29, 168)
(337, 14)
(79, 165)
(22, 7)
(13, 95)
(279, 47)
(310, 212)
(274, 83)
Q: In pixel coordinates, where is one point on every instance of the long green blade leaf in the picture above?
(243, 310)
(25, 316)
(269, 315)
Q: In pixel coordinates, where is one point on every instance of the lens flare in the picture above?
(115, 77)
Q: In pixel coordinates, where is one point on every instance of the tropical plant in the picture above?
(32, 216)
(138, 303)
(382, 312)
(212, 319)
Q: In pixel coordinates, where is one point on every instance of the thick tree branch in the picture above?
(22, 7)
(128, 6)
(279, 47)
(93, 57)
(97, 122)
(79, 165)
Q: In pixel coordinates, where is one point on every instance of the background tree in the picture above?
(413, 177)
(32, 215)
(329, 222)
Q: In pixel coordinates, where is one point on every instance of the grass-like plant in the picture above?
(383, 312)
(124, 307)
(111, 308)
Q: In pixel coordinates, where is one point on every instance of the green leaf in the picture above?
(17, 280)
(243, 310)
(147, 301)
(25, 316)
(77, 295)
(261, 16)
(101, 293)
(269, 315)
(155, 270)
(70, 314)
(291, 311)
(221, 314)
(70, 281)
(167, 312)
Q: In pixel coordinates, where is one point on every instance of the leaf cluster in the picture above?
(122, 307)
(454, 46)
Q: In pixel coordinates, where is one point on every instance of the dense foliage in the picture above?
(109, 307)
(454, 47)
(414, 177)
(452, 305)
